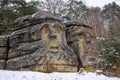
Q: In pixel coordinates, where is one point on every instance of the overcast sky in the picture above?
(99, 3)
(96, 3)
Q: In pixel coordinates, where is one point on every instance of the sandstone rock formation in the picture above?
(41, 46)
(44, 42)
(81, 38)
(3, 52)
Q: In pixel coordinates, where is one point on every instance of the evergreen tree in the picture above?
(111, 12)
(109, 49)
(12, 9)
(76, 9)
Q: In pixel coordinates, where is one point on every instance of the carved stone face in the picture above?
(51, 53)
(80, 33)
(81, 37)
(55, 51)
(52, 35)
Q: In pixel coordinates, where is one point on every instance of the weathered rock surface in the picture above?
(2, 64)
(3, 52)
(42, 45)
(44, 42)
(81, 38)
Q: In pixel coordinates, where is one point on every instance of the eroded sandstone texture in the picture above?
(81, 38)
(43, 42)
(3, 52)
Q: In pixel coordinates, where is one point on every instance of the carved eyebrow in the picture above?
(57, 24)
(43, 25)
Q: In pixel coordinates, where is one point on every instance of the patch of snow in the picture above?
(100, 38)
(98, 70)
(29, 75)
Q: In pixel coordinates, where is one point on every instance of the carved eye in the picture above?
(57, 28)
(75, 28)
(81, 35)
(45, 29)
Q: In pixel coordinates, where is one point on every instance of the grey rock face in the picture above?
(82, 39)
(2, 64)
(41, 45)
(3, 52)
(43, 42)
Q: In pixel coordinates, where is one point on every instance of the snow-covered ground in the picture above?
(28, 75)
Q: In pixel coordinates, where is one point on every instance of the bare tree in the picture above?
(54, 6)
(97, 22)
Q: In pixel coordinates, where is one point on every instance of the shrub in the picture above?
(109, 49)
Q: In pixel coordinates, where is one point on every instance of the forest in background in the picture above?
(105, 22)
(99, 19)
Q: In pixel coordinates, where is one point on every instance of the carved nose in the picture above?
(53, 35)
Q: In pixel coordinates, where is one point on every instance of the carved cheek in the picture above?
(45, 33)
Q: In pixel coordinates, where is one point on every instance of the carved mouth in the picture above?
(53, 47)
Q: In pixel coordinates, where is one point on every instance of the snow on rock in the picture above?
(28, 75)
